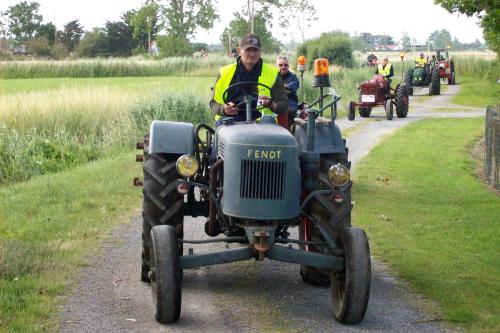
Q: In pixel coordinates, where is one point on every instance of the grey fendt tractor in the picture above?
(254, 181)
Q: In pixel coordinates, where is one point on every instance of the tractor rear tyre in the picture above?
(451, 80)
(402, 102)
(435, 84)
(389, 111)
(162, 204)
(365, 112)
(351, 288)
(166, 273)
(351, 111)
(408, 82)
(314, 275)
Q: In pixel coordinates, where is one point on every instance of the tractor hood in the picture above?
(261, 171)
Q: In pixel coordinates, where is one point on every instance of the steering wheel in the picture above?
(246, 89)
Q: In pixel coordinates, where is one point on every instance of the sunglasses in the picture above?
(283, 65)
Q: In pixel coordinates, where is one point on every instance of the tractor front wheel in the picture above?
(162, 204)
(389, 111)
(351, 112)
(351, 288)
(166, 273)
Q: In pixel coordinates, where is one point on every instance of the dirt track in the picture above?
(250, 296)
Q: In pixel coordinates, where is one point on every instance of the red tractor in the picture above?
(375, 92)
(445, 65)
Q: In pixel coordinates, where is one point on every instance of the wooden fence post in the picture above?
(492, 145)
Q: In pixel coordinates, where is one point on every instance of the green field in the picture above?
(432, 220)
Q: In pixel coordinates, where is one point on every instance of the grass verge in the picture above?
(478, 92)
(48, 228)
(431, 218)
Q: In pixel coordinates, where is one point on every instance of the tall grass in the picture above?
(48, 132)
(118, 67)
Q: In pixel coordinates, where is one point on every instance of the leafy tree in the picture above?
(405, 41)
(93, 44)
(238, 28)
(299, 13)
(120, 39)
(145, 23)
(488, 11)
(173, 46)
(71, 35)
(368, 39)
(182, 17)
(23, 20)
(48, 32)
(358, 44)
(383, 40)
(440, 39)
(336, 46)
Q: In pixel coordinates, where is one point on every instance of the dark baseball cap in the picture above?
(250, 41)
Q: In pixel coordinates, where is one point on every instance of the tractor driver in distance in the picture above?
(386, 69)
(249, 67)
(291, 86)
(420, 61)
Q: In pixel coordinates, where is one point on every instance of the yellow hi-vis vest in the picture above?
(384, 71)
(420, 62)
(267, 76)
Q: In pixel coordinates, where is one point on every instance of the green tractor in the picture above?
(423, 77)
(254, 181)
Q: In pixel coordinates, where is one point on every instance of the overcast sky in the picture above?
(392, 17)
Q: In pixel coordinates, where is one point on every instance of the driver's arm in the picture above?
(280, 102)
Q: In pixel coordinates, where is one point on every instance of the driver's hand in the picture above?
(230, 109)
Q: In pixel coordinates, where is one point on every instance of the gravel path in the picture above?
(249, 296)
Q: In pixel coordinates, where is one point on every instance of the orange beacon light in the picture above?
(320, 73)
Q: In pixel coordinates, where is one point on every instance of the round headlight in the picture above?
(339, 174)
(187, 166)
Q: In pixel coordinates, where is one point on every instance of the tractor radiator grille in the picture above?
(369, 89)
(222, 147)
(262, 179)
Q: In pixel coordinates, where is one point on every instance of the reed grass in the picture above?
(112, 67)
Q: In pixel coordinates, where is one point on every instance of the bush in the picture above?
(39, 47)
(172, 46)
(335, 46)
(59, 51)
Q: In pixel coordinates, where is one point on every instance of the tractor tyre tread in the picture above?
(162, 204)
(351, 288)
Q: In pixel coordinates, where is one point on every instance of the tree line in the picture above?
(172, 24)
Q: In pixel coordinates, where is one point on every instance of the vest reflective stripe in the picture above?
(267, 76)
(384, 71)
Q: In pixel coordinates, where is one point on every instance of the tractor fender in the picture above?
(171, 137)
(327, 139)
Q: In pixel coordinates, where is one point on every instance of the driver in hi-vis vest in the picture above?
(249, 67)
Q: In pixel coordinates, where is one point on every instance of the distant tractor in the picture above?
(375, 92)
(445, 65)
(423, 77)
